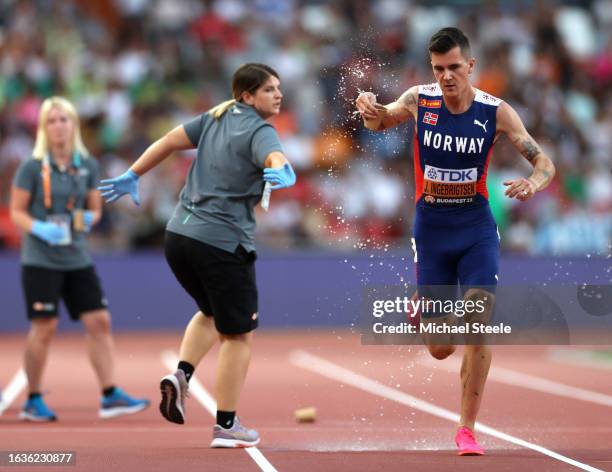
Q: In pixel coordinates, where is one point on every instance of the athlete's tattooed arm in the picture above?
(510, 123)
(409, 99)
(378, 117)
(529, 149)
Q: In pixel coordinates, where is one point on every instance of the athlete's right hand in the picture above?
(49, 232)
(368, 107)
(119, 186)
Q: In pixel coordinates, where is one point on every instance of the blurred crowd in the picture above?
(137, 68)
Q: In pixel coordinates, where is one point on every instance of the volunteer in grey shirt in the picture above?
(210, 238)
(49, 198)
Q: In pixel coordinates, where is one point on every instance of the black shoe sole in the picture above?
(167, 406)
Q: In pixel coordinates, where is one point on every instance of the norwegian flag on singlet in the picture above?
(430, 118)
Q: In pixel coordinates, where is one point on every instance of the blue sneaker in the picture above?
(36, 410)
(120, 403)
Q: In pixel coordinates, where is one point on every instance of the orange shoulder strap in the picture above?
(46, 178)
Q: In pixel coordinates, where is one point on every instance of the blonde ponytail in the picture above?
(217, 111)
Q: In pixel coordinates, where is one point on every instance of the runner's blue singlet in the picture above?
(455, 236)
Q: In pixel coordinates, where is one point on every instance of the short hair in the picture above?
(446, 39)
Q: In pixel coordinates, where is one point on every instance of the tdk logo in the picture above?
(451, 175)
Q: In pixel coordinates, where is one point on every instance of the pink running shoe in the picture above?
(466, 443)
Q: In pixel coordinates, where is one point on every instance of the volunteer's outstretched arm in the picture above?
(175, 140)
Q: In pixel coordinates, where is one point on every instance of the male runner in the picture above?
(455, 235)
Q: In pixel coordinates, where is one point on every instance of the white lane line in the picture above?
(13, 390)
(170, 360)
(518, 379)
(581, 357)
(337, 373)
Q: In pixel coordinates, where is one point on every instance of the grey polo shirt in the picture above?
(225, 181)
(36, 252)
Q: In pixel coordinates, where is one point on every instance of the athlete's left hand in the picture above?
(522, 189)
(282, 177)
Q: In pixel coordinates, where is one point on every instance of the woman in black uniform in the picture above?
(210, 239)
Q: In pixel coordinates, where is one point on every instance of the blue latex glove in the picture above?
(119, 186)
(281, 177)
(88, 218)
(48, 232)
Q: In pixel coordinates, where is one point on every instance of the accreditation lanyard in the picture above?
(46, 178)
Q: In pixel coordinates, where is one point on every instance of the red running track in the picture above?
(356, 430)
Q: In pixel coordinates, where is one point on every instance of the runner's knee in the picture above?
(482, 302)
(441, 351)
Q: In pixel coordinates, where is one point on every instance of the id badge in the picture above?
(64, 222)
